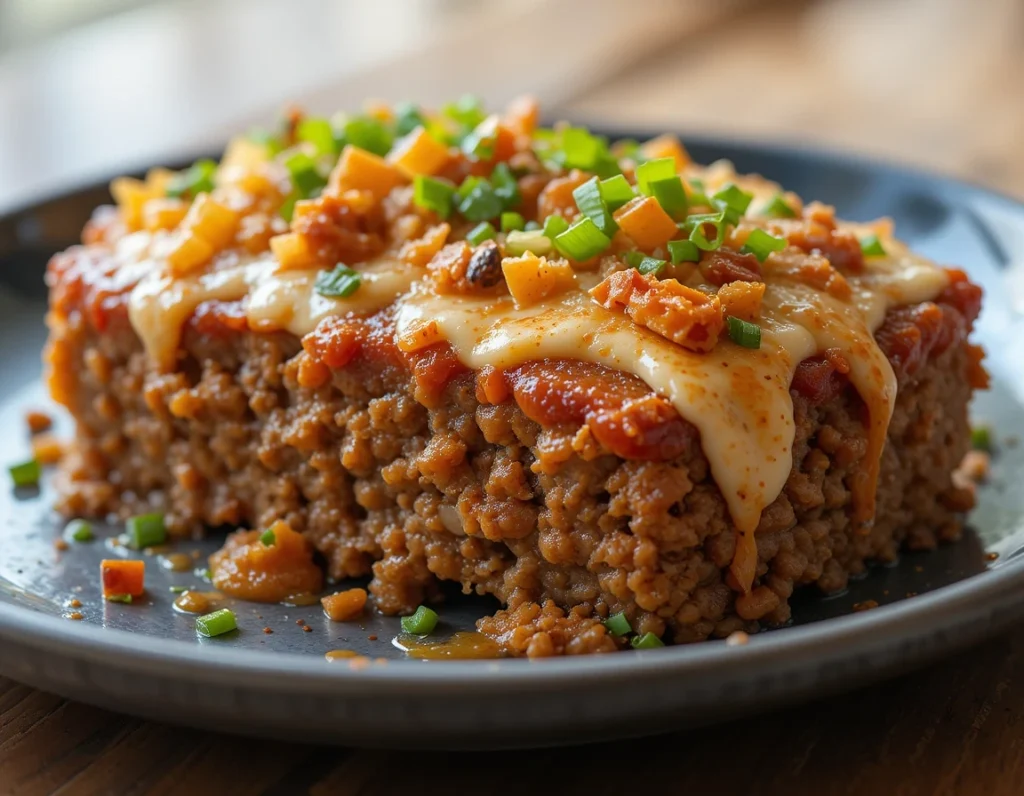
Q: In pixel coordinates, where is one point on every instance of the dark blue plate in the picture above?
(146, 659)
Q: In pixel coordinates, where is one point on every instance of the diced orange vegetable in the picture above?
(531, 279)
(645, 221)
(243, 154)
(122, 576)
(666, 146)
(212, 221)
(293, 251)
(47, 449)
(419, 153)
(131, 195)
(163, 214)
(557, 200)
(37, 421)
(364, 171)
(522, 115)
(190, 253)
(419, 337)
(344, 605)
(420, 251)
(742, 299)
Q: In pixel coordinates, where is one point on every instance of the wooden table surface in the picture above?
(935, 83)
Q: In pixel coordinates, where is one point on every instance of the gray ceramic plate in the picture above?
(146, 659)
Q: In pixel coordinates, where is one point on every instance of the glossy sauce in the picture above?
(176, 562)
(464, 645)
(197, 602)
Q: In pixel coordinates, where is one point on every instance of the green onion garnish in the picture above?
(652, 171)
(580, 149)
(216, 624)
(648, 641)
(511, 221)
(644, 264)
(288, 207)
(683, 251)
(196, 179)
(481, 232)
(618, 624)
(734, 200)
(118, 598)
(146, 530)
(479, 144)
(477, 200)
(467, 111)
(670, 195)
(319, 133)
(307, 180)
(554, 226)
(505, 186)
(178, 589)
(339, 282)
(697, 224)
(533, 240)
(616, 191)
(368, 134)
(981, 438)
(26, 473)
(407, 118)
(433, 194)
(582, 240)
(744, 333)
(79, 531)
(698, 195)
(872, 246)
(761, 244)
(589, 201)
(420, 623)
(778, 208)
(268, 538)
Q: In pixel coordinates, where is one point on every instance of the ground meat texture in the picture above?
(340, 440)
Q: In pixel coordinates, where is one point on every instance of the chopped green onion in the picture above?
(531, 226)
(616, 191)
(589, 201)
(761, 244)
(670, 195)
(407, 118)
(511, 221)
(699, 238)
(26, 473)
(644, 264)
(288, 207)
(582, 240)
(734, 200)
(268, 538)
(118, 598)
(196, 179)
(981, 438)
(146, 530)
(652, 171)
(467, 111)
(505, 186)
(433, 194)
(698, 195)
(872, 246)
(216, 624)
(268, 139)
(779, 208)
(683, 251)
(369, 134)
(79, 531)
(479, 144)
(534, 241)
(744, 333)
(618, 624)
(554, 226)
(420, 623)
(477, 200)
(306, 178)
(628, 148)
(319, 133)
(481, 232)
(648, 641)
(178, 589)
(580, 149)
(340, 282)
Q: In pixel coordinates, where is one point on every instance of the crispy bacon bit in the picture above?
(679, 313)
(341, 229)
(419, 252)
(821, 378)
(911, 334)
(448, 268)
(557, 198)
(816, 232)
(813, 270)
(484, 269)
(723, 266)
(742, 299)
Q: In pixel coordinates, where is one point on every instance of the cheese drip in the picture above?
(737, 398)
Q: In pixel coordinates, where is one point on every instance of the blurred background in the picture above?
(89, 88)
